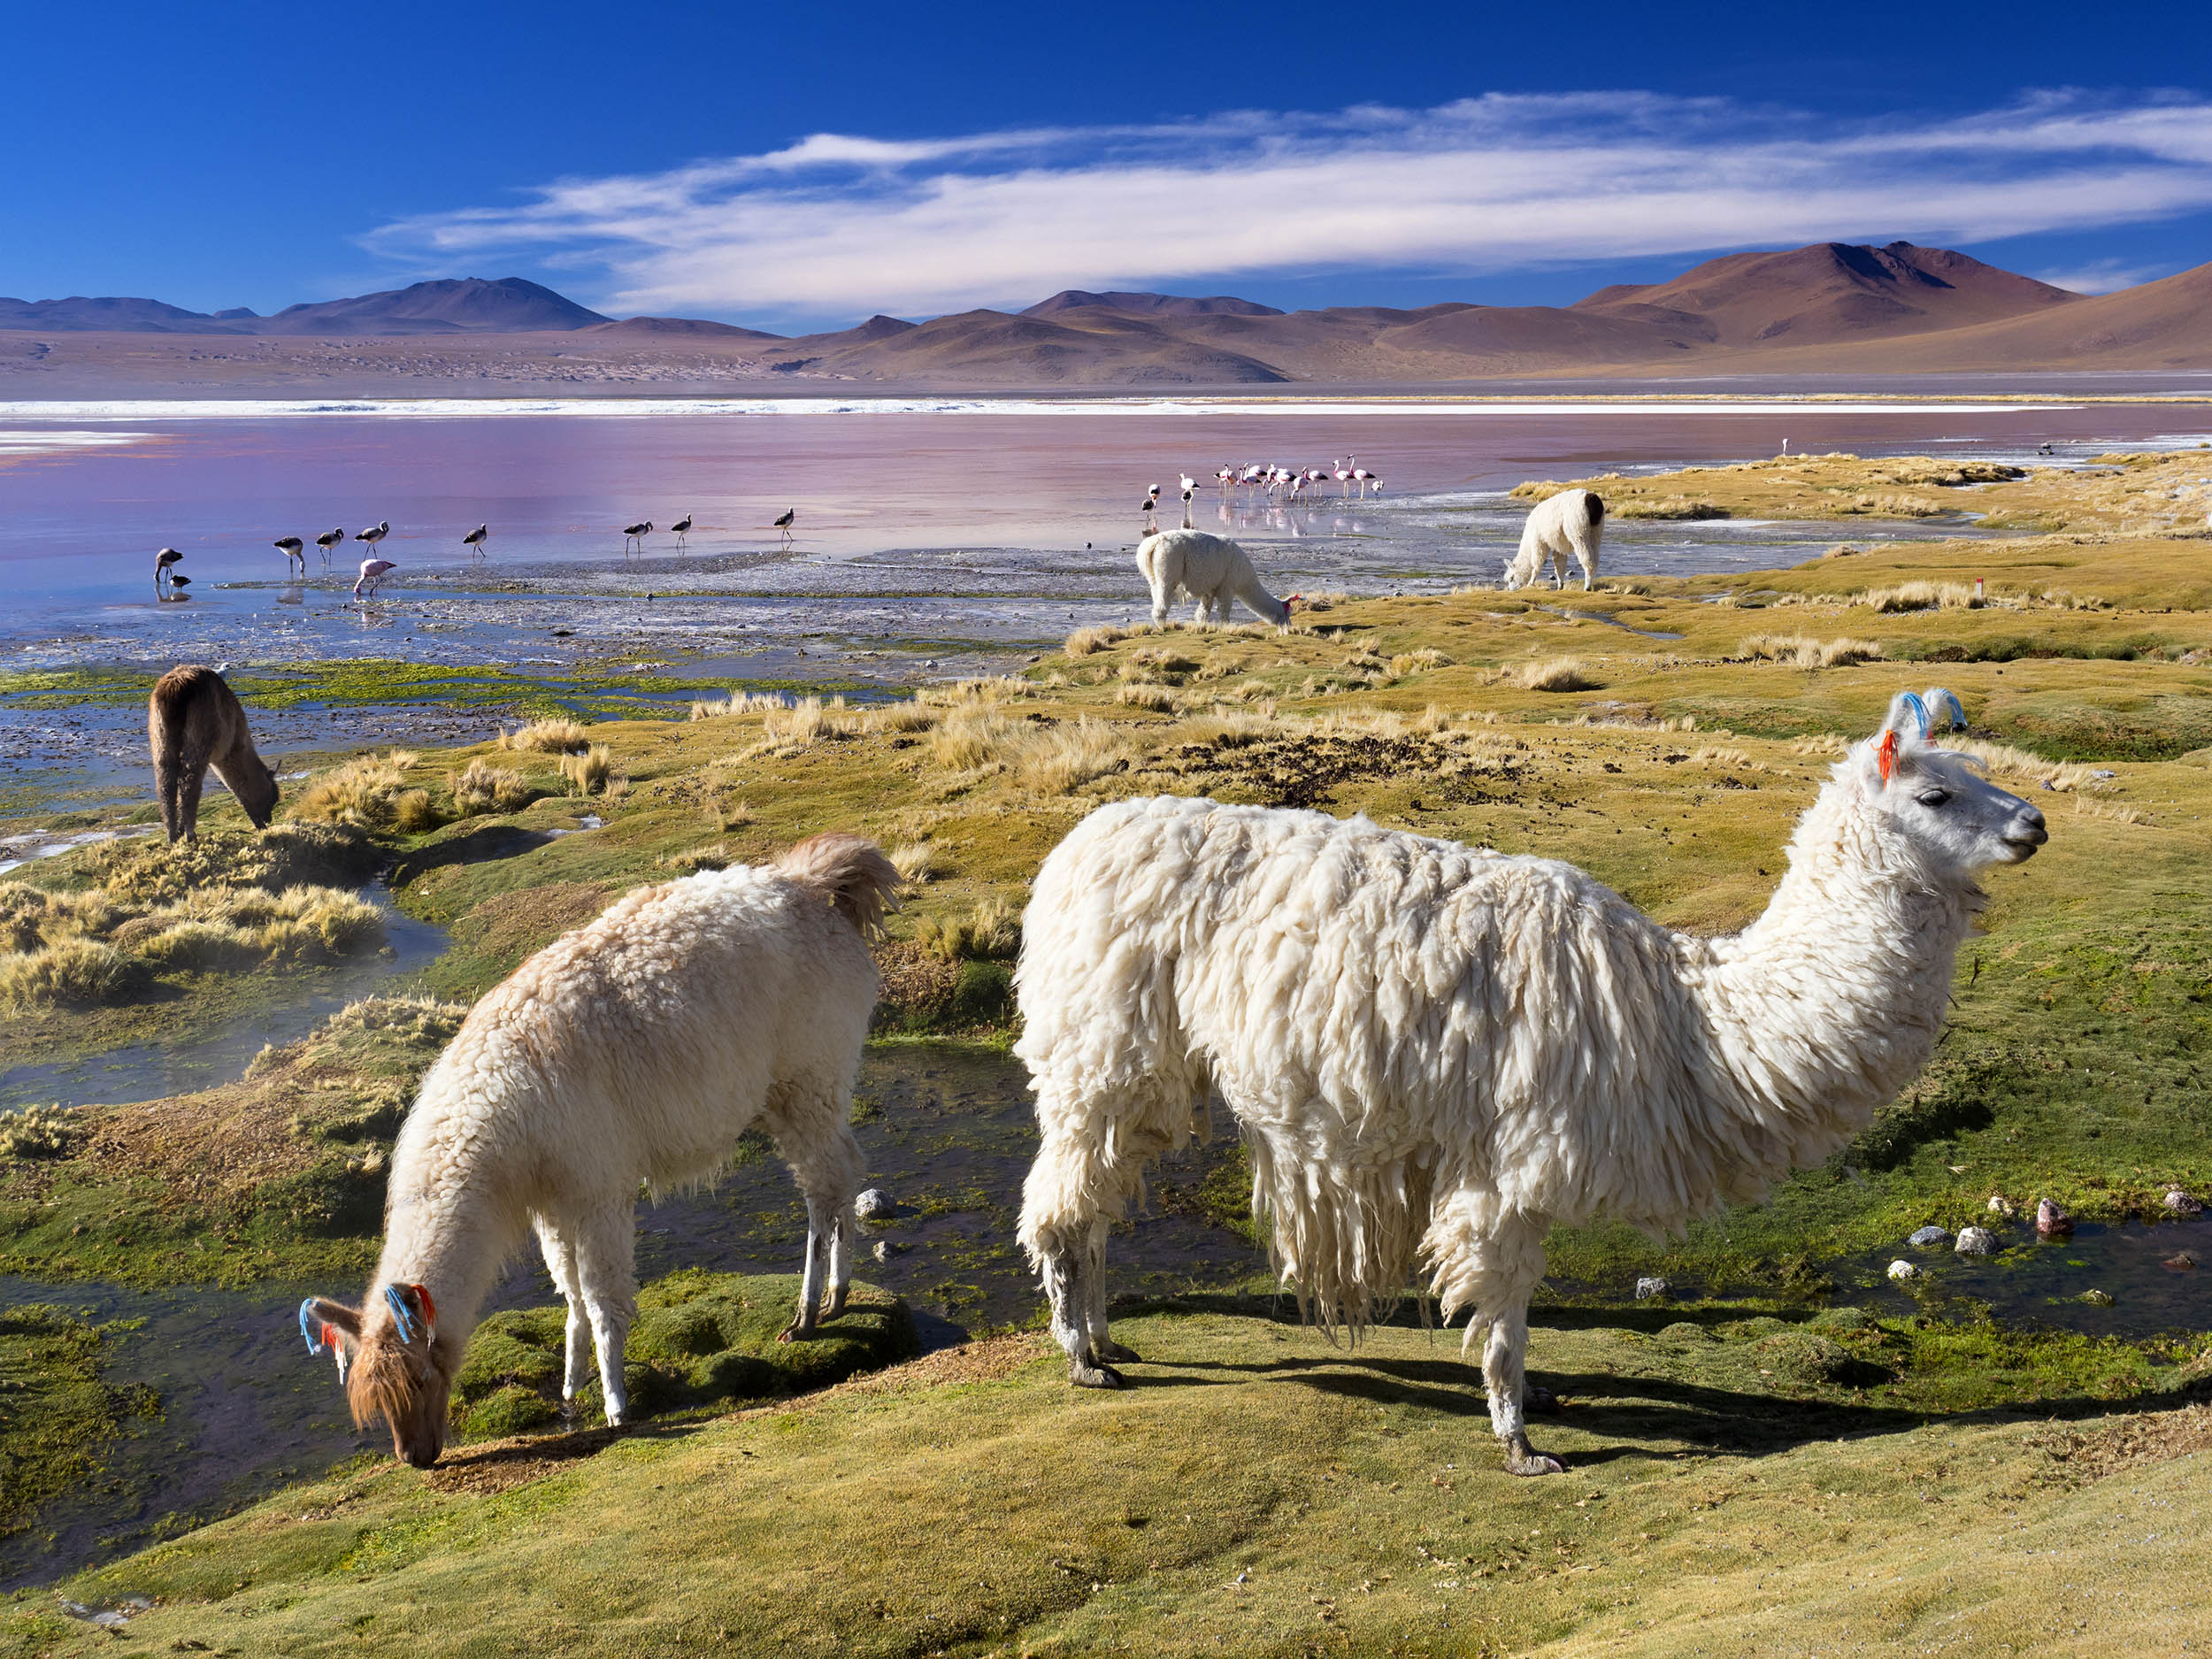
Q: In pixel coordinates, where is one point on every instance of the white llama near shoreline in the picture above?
(1211, 569)
(638, 1048)
(1435, 1053)
(1572, 521)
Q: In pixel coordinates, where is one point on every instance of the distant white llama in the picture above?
(1572, 521)
(1435, 1053)
(1211, 569)
(637, 1049)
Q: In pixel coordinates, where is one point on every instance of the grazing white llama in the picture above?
(1211, 569)
(1572, 521)
(1434, 1053)
(638, 1048)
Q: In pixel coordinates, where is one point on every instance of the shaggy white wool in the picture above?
(1572, 521)
(1435, 1052)
(1211, 569)
(638, 1048)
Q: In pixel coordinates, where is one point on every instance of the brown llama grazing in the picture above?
(195, 721)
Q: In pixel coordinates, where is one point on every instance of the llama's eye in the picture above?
(1934, 797)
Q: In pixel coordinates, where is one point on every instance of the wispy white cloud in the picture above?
(834, 224)
(2101, 276)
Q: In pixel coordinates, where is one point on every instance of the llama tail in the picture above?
(1594, 508)
(850, 872)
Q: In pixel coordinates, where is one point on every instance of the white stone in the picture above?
(1901, 1269)
(1975, 1241)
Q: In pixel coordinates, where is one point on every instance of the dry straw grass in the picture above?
(990, 931)
(484, 788)
(1804, 651)
(589, 773)
(42, 1131)
(968, 738)
(1561, 673)
(1147, 694)
(1921, 596)
(1669, 507)
(1059, 759)
(548, 737)
(914, 861)
(369, 792)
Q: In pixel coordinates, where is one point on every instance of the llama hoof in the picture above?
(798, 1331)
(836, 1304)
(1117, 1353)
(1535, 1399)
(1094, 1376)
(1523, 1459)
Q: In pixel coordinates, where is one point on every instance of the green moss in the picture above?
(702, 1340)
(56, 1415)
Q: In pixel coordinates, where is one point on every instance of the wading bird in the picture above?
(329, 540)
(790, 517)
(475, 539)
(374, 535)
(372, 576)
(682, 527)
(163, 560)
(636, 533)
(294, 551)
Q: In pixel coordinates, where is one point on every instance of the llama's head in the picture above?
(256, 789)
(1519, 571)
(1954, 820)
(391, 1365)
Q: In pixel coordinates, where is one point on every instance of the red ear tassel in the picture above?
(429, 1313)
(1886, 755)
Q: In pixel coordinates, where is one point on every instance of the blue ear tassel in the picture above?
(409, 1327)
(1953, 712)
(312, 1328)
(1919, 710)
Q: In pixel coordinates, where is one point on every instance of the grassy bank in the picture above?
(1737, 1486)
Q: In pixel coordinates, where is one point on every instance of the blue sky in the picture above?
(798, 166)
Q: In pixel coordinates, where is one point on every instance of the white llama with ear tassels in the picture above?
(1436, 1052)
(638, 1048)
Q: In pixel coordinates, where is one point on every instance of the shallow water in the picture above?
(297, 1004)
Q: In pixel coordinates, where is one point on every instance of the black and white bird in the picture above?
(294, 551)
(374, 534)
(790, 517)
(636, 533)
(163, 560)
(475, 539)
(682, 528)
(329, 540)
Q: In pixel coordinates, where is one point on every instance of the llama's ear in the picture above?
(413, 1312)
(332, 1325)
(1946, 712)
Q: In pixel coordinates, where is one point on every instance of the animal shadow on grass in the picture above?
(486, 845)
(1640, 1412)
(502, 1465)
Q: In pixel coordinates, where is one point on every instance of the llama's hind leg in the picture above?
(1070, 1198)
(605, 1245)
(1102, 1346)
(1491, 1259)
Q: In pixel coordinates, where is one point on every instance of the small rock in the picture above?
(1651, 1289)
(1928, 1238)
(1901, 1270)
(874, 1205)
(885, 1249)
(2183, 1203)
(2097, 1298)
(2104, 773)
(2051, 1222)
(1999, 1205)
(1975, 1241)
(2180, 1263)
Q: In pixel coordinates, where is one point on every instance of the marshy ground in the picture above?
(1790, 1456)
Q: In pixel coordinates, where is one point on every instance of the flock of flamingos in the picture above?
(1256, 478)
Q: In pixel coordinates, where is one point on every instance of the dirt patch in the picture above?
(502, 1465)
(915, 981)
(2154, 1437)
(986, 1361)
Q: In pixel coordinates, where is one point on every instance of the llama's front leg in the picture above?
(1102, 1346)
(560, 1261)
(606, 1273)
(1505, 1378)
(841, 1277)
(1065, 1275)
(817, 1245)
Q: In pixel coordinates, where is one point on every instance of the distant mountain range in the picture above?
(1831, 307)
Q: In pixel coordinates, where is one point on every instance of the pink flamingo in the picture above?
(1343, 476)
(371, 574)
(1362, 476)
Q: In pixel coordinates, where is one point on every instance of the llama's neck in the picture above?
(1829, 1003)
(448, 1229)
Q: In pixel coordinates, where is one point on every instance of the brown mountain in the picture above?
(1827, 292)
(452, 306)
(662, 326)
(110, 315)
(1149, 304)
